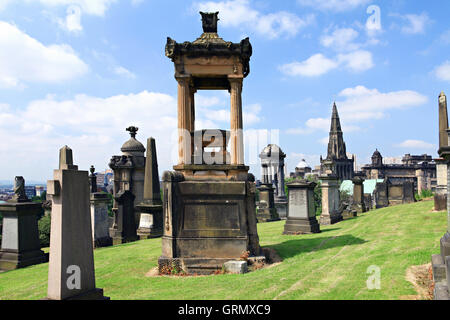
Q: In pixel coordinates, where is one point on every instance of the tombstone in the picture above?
(20, 235)
(368, 201)
(124, 227)
(331, 212)
(129, 171)
(209, 209)
(440, 195)
(151, 221)
(408, 192)
(358, 195)
(71, 273)
(301, 210)
(381, 195)
(266, 208)
(99, 214)
(441, 262)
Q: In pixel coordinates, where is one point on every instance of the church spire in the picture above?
(336, 144)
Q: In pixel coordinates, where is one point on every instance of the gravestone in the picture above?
(408, 192)
(99, 214)
(331, 212)
(368, 201)
(124, 227)
(151, 221)
(266, 208)
(20, 236)
(440, 196)
(301, 217)
(71, 273)
(381, 195)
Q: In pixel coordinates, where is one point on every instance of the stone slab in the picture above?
(438, 268)
(236, 267)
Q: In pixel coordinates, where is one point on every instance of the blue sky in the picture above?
(78, 72)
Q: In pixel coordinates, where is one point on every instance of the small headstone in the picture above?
(124, 228)
(71, 273)
(236, 267)
(266, 210)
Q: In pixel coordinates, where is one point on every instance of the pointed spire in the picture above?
(335, 121)
(151, 181)
(443, 121)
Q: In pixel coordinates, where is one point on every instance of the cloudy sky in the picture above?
(78, 72)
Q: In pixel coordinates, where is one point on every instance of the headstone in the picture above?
(381, 195)
(408, 192)
(151, 221)
(331, 211)
(266, 209)
(301, 211)
(20, 236)
(99, 214)
(124, 228)
(440, 195)
(71, 274)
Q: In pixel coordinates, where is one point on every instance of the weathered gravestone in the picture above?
(266, 208)
(301, 217)
(440, 196)
(381, 195)
(151, 222)
(20, 236)
(71, 273)
(358, 203)
(331, 211)
(124, 227)
(99, 214)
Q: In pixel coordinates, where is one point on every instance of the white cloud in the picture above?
(443, 71)
(341, 40)
(239, 13)
(318, 64)
(314, 66)
(72, 22)
(361, 104)
(415, 144)
(24, 59)
(333, 5)
(415, 24)
(121, 71)
(92, 7)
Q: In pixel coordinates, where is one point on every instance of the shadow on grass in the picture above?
(292, 248)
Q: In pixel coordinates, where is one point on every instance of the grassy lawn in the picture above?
(329, 265)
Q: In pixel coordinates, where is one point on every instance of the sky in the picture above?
(78, 72)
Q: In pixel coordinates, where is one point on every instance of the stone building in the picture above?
(420, 170)
(302, 170)
(337, 151)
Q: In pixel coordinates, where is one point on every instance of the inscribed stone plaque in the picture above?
(298, 206)
(211, 216)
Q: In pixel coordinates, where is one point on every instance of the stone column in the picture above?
(421, 183)
(20, 235)
(71, 273)
(440, 197)
(358, 204)
(237, 135)
(330, 200)
(301, 217)
(184, 120)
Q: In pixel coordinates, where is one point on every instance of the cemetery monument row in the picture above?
(208, 201)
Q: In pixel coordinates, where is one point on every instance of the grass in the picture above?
(330, 265)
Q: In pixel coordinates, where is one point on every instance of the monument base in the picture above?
(445, 245)
(438, 267)
(441, 292)
(151, 222)
(117, 237)
(330, 219)
(103, 242)
(349, 214)
(440, 202)
(95, 294)
(295, 226)
(281, 209)
(10, 260)
(267, 215)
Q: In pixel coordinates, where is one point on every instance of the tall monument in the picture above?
(209, 210)
(337, 151)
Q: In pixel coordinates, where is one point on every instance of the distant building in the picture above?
(421, 170)
(337, 151)
(301, 170)
(30, 191)
(39, 190)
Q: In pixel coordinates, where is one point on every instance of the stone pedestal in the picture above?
(151, 223)
(358, 203)
(124, 227)
(99, 218)
(266, 209)
(331, 213)
(20, 236)
(281, 204)
(71, 273)
(301, 217)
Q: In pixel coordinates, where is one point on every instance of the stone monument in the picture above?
(129, 169)
(441, 262)
(151, 223)
(440, 196)
(20, 236)
(99, 214)
(331, 210)
(208, 201)
(381, 195)
(301, 217)
(266, 208)
(124, 226)
(358, 204)
(272, 163)
(71, 273)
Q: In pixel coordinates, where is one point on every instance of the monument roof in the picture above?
(303, 164)
(210, 44)
(132, 145)
(272, 149)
